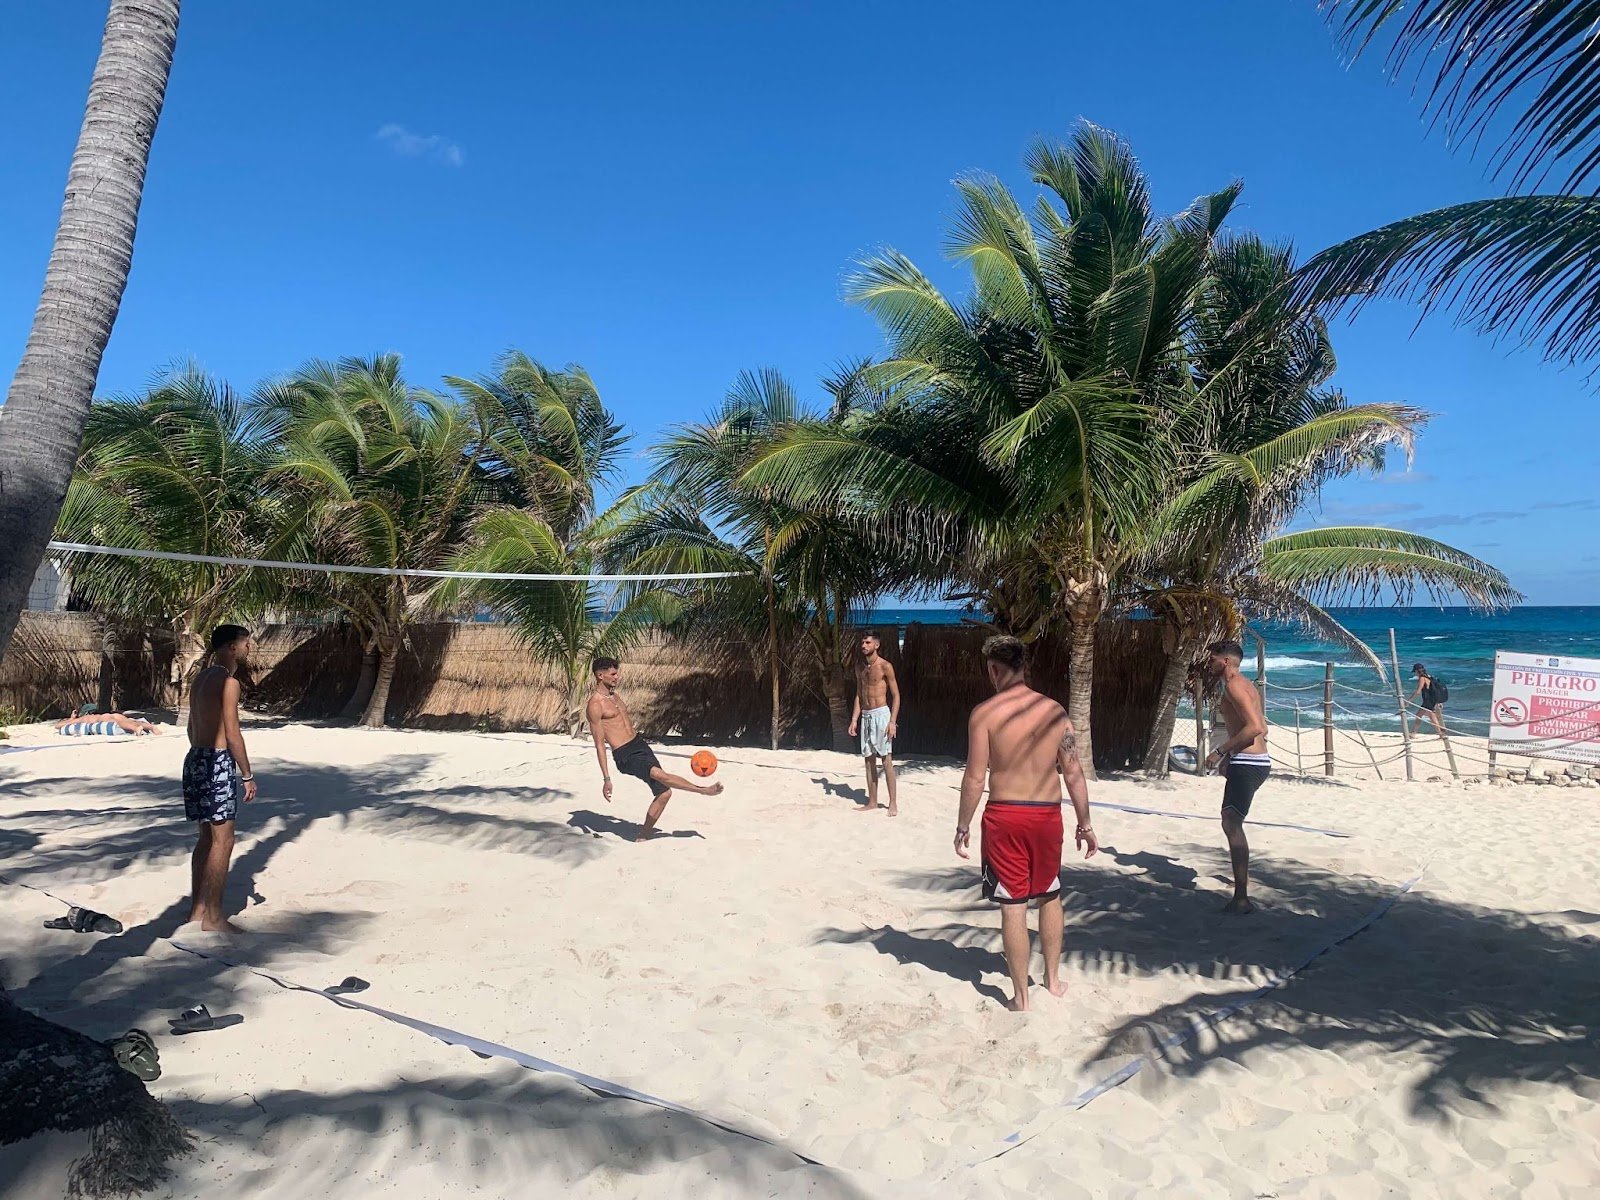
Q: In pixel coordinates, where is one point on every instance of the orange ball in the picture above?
(703, 763)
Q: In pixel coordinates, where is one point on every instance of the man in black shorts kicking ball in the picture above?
(1242, 759)
(610, 725)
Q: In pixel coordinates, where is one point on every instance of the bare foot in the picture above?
(1017, 1005)
(893, 811)
(1057, 989)
(220, 925)
(870, 807)
(647, 835)
(1239, 905)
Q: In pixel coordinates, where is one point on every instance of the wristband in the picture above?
(960, 829)
(247, 779)
(1082, 829)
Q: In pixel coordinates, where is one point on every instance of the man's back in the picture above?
(206, 726)
(1025, 731)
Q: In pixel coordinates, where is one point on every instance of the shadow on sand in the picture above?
(1480, 997)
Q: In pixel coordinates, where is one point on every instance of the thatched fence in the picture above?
(454, 676)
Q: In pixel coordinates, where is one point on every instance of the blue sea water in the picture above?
(1456, 644)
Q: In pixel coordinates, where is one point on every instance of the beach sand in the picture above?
(826, 980)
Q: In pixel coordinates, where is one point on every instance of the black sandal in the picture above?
(85, 920)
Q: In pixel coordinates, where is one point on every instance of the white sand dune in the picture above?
(824, 979)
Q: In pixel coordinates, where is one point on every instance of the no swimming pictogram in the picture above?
(1510, 711)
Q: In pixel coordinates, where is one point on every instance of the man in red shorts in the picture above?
(1020, 740)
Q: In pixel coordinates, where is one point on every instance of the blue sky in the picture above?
(670, 196)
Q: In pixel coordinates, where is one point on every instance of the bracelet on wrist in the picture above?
(963, 828)
(247, 778)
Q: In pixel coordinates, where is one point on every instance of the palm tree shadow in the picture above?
(1481, 996)
(963, 963)
(147, 830)
(595, 824)
(526, 1124)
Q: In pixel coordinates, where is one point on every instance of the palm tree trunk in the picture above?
(837, 688)
(772, 658)
(1080, 687)
(42, 420)
(1174, 684)
(186, 658)
(105, 694)
(378, 704)
(357, 704)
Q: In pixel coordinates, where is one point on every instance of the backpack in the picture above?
(1441, 692)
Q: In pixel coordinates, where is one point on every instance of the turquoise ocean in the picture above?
(1456, 644)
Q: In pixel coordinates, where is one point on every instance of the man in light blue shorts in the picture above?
(876, 715)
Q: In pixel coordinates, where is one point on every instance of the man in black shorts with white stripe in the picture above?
(1242, 759)
(610, 725)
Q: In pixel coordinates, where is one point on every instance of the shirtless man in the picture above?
(1021, 740)
(877, 715)
(610, 725)
(216, 773)
(1242, 759)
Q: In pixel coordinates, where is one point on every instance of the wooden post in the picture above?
(1327, 720)
(1299, 767)
(1400, 703)
(1362, 736)
(1444, 737)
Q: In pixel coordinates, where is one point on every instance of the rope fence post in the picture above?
(1327, 720)
(1438, 719)
(1400, 704)
(1201, 750)
(1299, 766)
(1362, 734)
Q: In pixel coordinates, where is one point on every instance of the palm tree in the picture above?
(179, 468)
(377, 473)
(48, 402)
(1525, 266)
(1256, 440)
(1017, 449)
(802, 569)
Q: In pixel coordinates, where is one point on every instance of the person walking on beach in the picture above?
(877, 715)
(610, 725)
(1429, 697)
(1242, 759)
(1021, 740)
(216, 773)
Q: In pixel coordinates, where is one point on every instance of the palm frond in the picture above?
(1364, 563)
(1485, 56)
(1522, 267)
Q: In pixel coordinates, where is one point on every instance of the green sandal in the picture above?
(135, 1051)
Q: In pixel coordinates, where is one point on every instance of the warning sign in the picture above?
(1546, 707)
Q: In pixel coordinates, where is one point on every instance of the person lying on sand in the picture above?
(90, 720)
(1021, 740)
(1243, 760)
(610, 725)
(216, 773)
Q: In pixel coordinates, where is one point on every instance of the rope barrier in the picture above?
(407, 573)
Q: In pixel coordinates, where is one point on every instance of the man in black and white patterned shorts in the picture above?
(216, 774)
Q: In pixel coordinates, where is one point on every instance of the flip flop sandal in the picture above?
(351, 985)
(199, 1020)
(136, 1052)
(85, 920)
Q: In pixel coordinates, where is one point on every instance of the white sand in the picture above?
(826, 979)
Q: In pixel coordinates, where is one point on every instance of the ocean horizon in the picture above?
(1457, 645)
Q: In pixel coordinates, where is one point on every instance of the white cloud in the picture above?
(431, 146)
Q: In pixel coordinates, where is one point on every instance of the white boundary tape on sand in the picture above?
(482, 1047)
(328, 568)
(1196, 1024)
